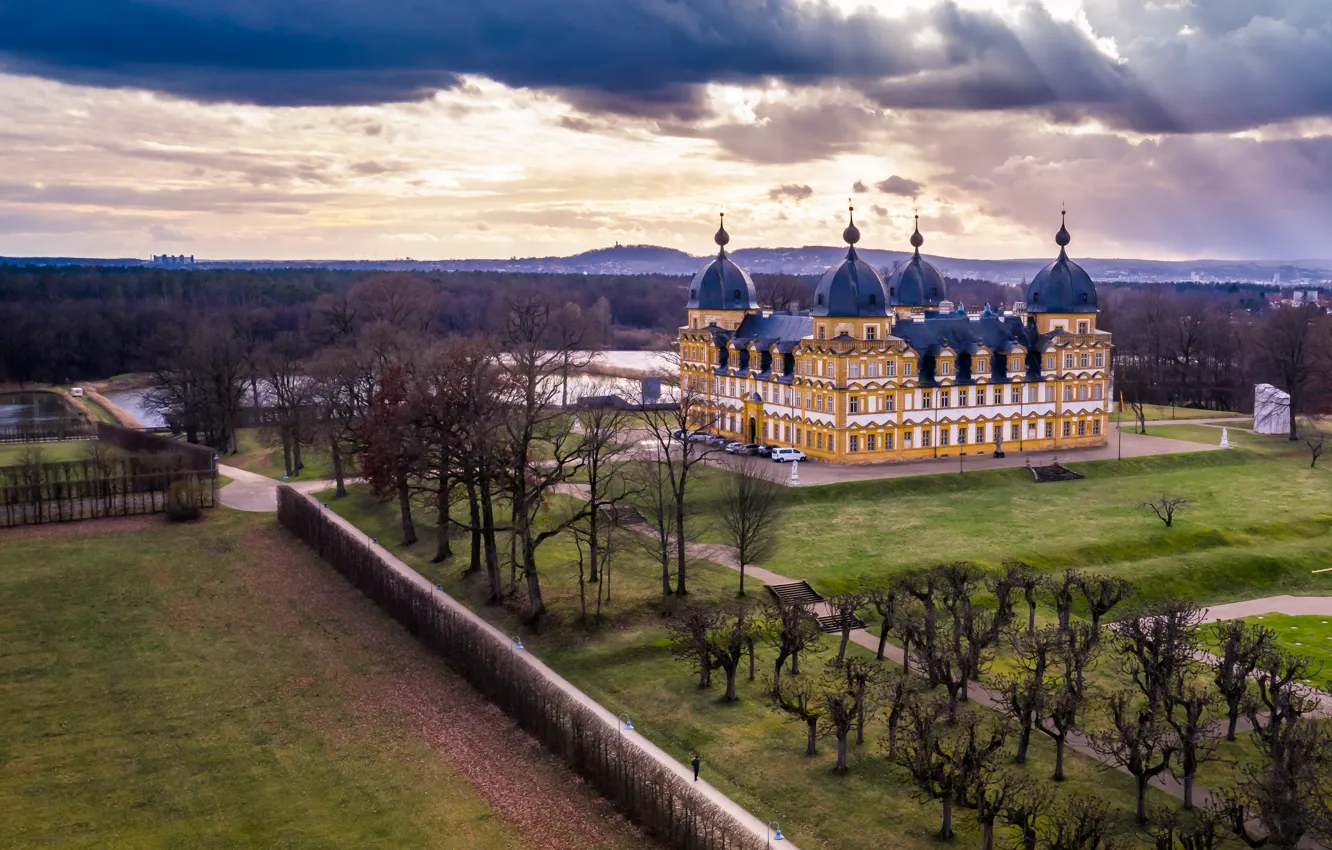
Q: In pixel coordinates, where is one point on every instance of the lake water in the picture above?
(17, 408)
(134, 403)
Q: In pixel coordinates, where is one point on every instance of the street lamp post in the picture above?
(517, 643)
(774, 832)
(625, 725)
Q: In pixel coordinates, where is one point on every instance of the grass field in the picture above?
(260, 451)
(52, 452)
(749, 750)
(1157, 412)
(213, 685)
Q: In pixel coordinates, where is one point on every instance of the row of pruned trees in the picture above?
(1153, 694)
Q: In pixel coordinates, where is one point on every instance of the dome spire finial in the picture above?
(1062, 238)
(722, 237)
(852, 233)
(916, 239)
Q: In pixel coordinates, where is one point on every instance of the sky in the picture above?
(381, 129)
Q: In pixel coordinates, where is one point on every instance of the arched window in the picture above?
(874, 299)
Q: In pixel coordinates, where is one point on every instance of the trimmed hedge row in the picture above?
(665, 805)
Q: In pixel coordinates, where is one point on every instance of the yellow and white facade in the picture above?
(867, 376)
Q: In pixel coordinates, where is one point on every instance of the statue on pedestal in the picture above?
(1225, 438)
(998, 441)
(795, 473)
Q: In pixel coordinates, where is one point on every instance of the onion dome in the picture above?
(1062, 286)
(852, 287)
(916, 283)
(721, 284)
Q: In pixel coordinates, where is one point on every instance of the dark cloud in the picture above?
(1190, 67)
(793, 191)
(881, 212)
(896, 185)
(787, 133)
(859, 187)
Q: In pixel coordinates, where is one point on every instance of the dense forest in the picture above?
(1190, 344)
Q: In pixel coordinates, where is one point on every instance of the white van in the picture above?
(787, 455)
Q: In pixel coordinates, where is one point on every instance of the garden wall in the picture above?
(652, 788)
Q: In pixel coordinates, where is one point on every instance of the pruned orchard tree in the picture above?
(1026, 692)
(846, 609)
(1286, 795)
(1026, 805)
(792, 631)
(1063, 590)
(886, 600)
(1158, 649)
(800, 698)
(1136, 738)
(1241, 647)
(1022, 576)
(749, 511)
(1189, 711)
(689, 632)
(1102, 593)
(1081, 823)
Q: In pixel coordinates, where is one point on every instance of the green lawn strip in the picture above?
(1266, 444)
(1157, 412)
(749, 750)
(260, 452)
(149, 698)
(51, 452)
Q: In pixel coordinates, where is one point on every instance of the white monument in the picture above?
(1225, 438)
(1271, 410)
(795, 473)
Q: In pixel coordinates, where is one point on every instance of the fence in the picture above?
(194, 458)
(563, 719)
(35, 494)
(45, 417)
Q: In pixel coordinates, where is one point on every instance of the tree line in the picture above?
(1154, 694)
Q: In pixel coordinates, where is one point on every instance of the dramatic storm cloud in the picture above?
(322, 127)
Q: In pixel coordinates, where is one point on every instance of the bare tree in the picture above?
(689, 633)
(1026, 806)
(792, 631)
(1022, 576)
(1166, 507)
(886, 600)
(1241, 647)
(1102, 593)
(1062, 590)
(780, 291)
(1189, 711)
(1158, 649)
(846, 610)
(1025, 693)
(1081, 823)
(898, 691)
(1137, 740)
(1198, 829)
(607, 485)
(1314, 435)
(749, 512)
(800, 698)
(1287, 793)
(1292, 343)
(656, 501)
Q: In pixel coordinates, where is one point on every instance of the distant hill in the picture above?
(809, 260)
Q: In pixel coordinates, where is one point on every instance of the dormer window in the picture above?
(820, 299)
(873, 299)
(944, 367)
(1084, 327)
(736, 295)
(871, 332)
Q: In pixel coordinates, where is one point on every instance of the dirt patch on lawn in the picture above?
(396, 682)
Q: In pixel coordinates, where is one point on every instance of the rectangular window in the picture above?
(982, 365)
(925, 396)
(1096, 392)
(1049, 430)
(1082, 361)
(924, 438)
(1031, 430)
(853, 443)
(1049, 363)
(906, 370)
(1015, 364)
(1049, 392)
(1015, 433)
(1016, 397)
(872, 369)
(998, 395)
(1096, 427)
(943, 435)
(1082, 427)
(809, 400)
(871, 332)
(961, 435)
(786, 433)
(1082, 392)
(889, 403)
(820, 440)
(822, 333)
(1068, 426)
(888, 441)
(890, 369)
(798, 434)
(1068, 393)
(980, 433)
(945, 367)
(853, 370)
(818, 402)
(1033, 394)
(961, 398)
(1084, 327)
(855, 404)
(869, 442)
(1068, 361)
(1100, 359)
(809, 439)
(945, 398)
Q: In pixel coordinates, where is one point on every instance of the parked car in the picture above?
(736, 448)
(717, 440)
(787, 455)
(764, 450)
(699, 437)
(749, 449)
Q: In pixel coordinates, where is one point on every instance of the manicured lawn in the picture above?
(1155, 412)
(749, 750)
(260, 451)
(1310, 637)
(53, 452)
(155, 691)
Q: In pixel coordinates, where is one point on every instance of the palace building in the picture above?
(891, 370)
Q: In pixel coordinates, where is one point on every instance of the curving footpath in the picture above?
(250, 491)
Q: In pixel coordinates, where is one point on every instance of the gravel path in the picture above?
(249, 491)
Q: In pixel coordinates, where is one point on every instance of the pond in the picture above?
(29, 408)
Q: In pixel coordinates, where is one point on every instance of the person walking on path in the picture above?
(696, 762)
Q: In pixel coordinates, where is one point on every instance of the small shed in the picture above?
(1271, 410)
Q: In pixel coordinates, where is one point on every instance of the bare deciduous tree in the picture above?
(749, 511)
(1241, 647)
(1081, 823)
(792, 631)
(1137, 740)
(1165, 507)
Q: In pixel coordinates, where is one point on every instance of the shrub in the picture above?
(184, 501)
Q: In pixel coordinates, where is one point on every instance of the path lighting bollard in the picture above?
(517, 643)
(625, 725)
(374, 540)
(774, 832)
